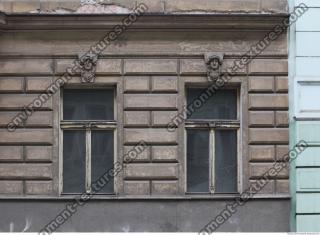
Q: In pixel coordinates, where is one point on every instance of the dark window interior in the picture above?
(226, 161)
(221, 105)
(88, 104)
(74, 161)
(198, 161)
(102, 157)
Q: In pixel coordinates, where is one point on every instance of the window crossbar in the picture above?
(88, 125)
(214, 124)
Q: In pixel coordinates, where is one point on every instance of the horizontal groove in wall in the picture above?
(25, 144)
(188, 55)
(25, 161)
(137, 161)
(150, 92)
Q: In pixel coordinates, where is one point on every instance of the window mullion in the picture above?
(212, 160)
(88, 160)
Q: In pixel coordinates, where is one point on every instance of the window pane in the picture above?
(226, 161)
(102, 158)
(221, 105)
(87, 104)
(74, 158)
(198, 161)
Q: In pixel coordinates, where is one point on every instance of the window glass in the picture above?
(197, 160)
(74, 160)
(221, 105)
(88, 104)
(226, 161)
(102, 158)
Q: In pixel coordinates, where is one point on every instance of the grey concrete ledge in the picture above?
(146, 216)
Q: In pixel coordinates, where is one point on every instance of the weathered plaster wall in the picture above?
(160, 6)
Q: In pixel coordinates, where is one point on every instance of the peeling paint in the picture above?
(160, 6)
(59, 10)
(102, 9)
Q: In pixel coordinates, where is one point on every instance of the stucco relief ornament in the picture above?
(214, 64)
(88, 68)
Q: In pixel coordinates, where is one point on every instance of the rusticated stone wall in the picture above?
(153, 92)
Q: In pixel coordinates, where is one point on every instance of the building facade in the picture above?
(304, 117)
(126, 88)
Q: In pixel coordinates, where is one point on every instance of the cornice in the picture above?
(148, 22)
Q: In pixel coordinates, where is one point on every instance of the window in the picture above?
(212, 127)
(88, 127)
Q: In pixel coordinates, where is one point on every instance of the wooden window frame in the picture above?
(88, 126)
(212, 125)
